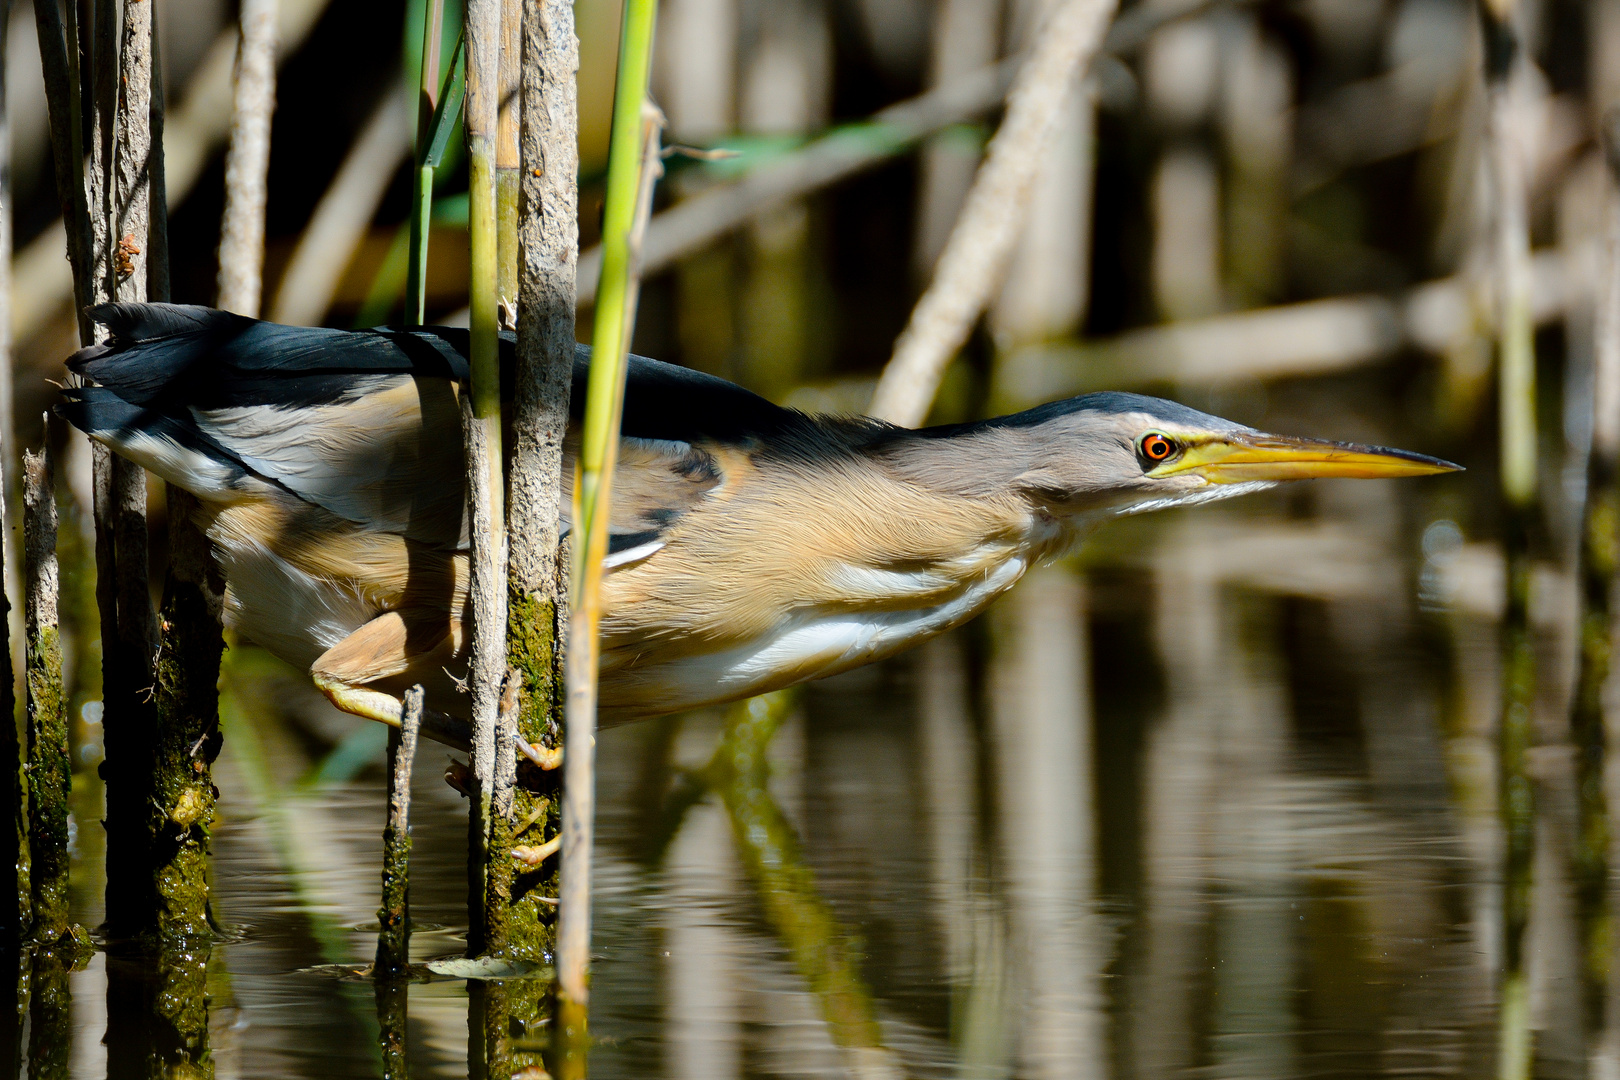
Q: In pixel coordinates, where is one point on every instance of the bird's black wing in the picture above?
(366, 423)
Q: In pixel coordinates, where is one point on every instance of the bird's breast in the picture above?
(796, 577)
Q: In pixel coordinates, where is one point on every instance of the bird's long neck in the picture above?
(978, 470)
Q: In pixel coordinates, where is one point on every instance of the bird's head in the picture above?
(1117, 453)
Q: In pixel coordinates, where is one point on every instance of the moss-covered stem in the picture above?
(49, 765)
(548, 251)
(188, 738)
(394, 916)
(393, 1025)
(632, 169)
(481, 419)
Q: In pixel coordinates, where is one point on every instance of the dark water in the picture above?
(1216, 799)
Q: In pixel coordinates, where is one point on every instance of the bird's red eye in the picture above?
(1157, 448)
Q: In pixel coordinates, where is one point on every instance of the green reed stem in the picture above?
(632, 165)
(422, 180)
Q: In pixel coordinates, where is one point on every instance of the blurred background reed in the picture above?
(1216, 798)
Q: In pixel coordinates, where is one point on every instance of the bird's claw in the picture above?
(539, 853)
(546, 757)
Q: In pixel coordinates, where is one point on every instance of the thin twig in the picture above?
(393, 918)
(975, 257)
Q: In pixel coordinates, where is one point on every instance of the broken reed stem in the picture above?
(536, 611)
(1506, 160)
(481, 417)
(1600, 560)
(394, 916)
(633, 167)
(975, 257)
(241, 234)
(50, 769)
(422, 174)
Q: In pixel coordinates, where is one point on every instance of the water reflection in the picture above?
(1218, 801)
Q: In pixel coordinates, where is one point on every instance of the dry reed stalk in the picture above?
(241, 234)
(547, 248)
(14, 919)
(481, 419)
(975, 256)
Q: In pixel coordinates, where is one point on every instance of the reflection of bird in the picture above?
(753, 546)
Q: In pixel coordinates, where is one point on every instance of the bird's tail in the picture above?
(167, 446)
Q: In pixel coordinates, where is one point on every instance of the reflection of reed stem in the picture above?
(1504, 152)
(1600, 538)
(771, 854)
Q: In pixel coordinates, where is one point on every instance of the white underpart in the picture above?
(1208, 493)
(830, 643)
(630, 556)
(197, 472)
(293, 614)
(868, 582)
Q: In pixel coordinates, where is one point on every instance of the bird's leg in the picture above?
(395, 644)
(388, 709)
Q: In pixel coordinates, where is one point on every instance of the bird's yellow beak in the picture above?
(1239, 458)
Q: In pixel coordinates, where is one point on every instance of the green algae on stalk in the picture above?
(393, 1025)
(188, 737)
(394, 916)
(49, 763)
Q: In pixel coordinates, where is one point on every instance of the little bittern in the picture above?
(752, 547)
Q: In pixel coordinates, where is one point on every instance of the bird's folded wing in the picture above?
(367, 424)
